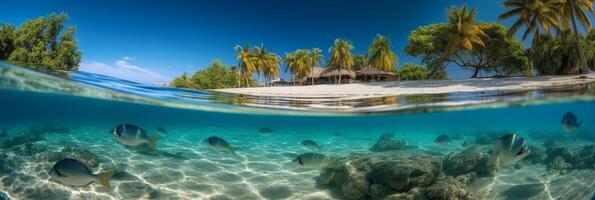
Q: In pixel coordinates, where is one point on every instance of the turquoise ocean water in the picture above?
(45, 118)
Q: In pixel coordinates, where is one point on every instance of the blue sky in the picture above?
(154, 41)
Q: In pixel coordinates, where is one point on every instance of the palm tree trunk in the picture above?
(312, 75)
(340, 75)
(475, 73)
(581, 51)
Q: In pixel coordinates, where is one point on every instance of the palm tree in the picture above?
(380, 54)
(316, 57)
(247, 66)
(341, 56)
(266, 62)
(299, 63)
(464, 32)
(537, 15)
(570, 11)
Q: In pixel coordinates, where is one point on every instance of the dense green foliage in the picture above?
(542, 18)
(501, 54)
(299, 63)
(341, 55)
(590, 51)
(215, 76)
(411, 71)
(558, 55)
(256, 60)
(380, 54)
(41, 41)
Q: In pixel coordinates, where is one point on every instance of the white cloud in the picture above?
(128, 58)
(123, 69)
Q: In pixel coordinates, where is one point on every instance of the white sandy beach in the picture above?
(376, 89)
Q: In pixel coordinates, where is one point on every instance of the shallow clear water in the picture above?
(46, 118)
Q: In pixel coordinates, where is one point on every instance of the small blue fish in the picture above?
(132, 135)
(74, 173)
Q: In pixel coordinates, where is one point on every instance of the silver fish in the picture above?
(219, 144)
(311, 160)
(74, 173)
(310, 144)
(570, 122)
(510, 148)
(132, 135)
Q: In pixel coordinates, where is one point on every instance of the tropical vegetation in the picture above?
(411, 71)
(485, 49)
(42, 41)
(341, 56)
(215, 76)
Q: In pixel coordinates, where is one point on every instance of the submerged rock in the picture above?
(449, 188)
(563, 158)
(387, 143)
(377, 175)
(536, 156)
(473, 159)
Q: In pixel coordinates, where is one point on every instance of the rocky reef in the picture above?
(564, 158)
(387, 143)
(390, 175)
(477, 159)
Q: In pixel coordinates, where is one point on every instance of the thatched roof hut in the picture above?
(363, 73)
(334, 72)
(316, 73)
(277, 82)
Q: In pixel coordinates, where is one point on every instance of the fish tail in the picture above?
(152, 142)
(104, 179)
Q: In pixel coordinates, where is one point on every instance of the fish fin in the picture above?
(104, 179)
(152, 142)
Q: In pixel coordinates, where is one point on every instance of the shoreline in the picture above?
(416, 87)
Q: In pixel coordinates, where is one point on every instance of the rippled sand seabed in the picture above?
(262, 168)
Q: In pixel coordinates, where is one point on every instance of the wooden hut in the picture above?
(332, 75)
(277, 82)
(373, 74)
(314, 76)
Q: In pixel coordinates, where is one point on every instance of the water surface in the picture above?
(46, 118)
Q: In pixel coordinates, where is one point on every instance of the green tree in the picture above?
(536, 15)
(67, 56)
(463, 32)
(380, 54)
(341, 56)
(247, 65)
(411, 71)
(500, 54)
(360, 61)
(317, 59)
(590, 50)
(267, 63)
(6, 40)
(43, 41)
(299, 63)
(555, 55)
(183, 81)
(215, 76)
(573, 11)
